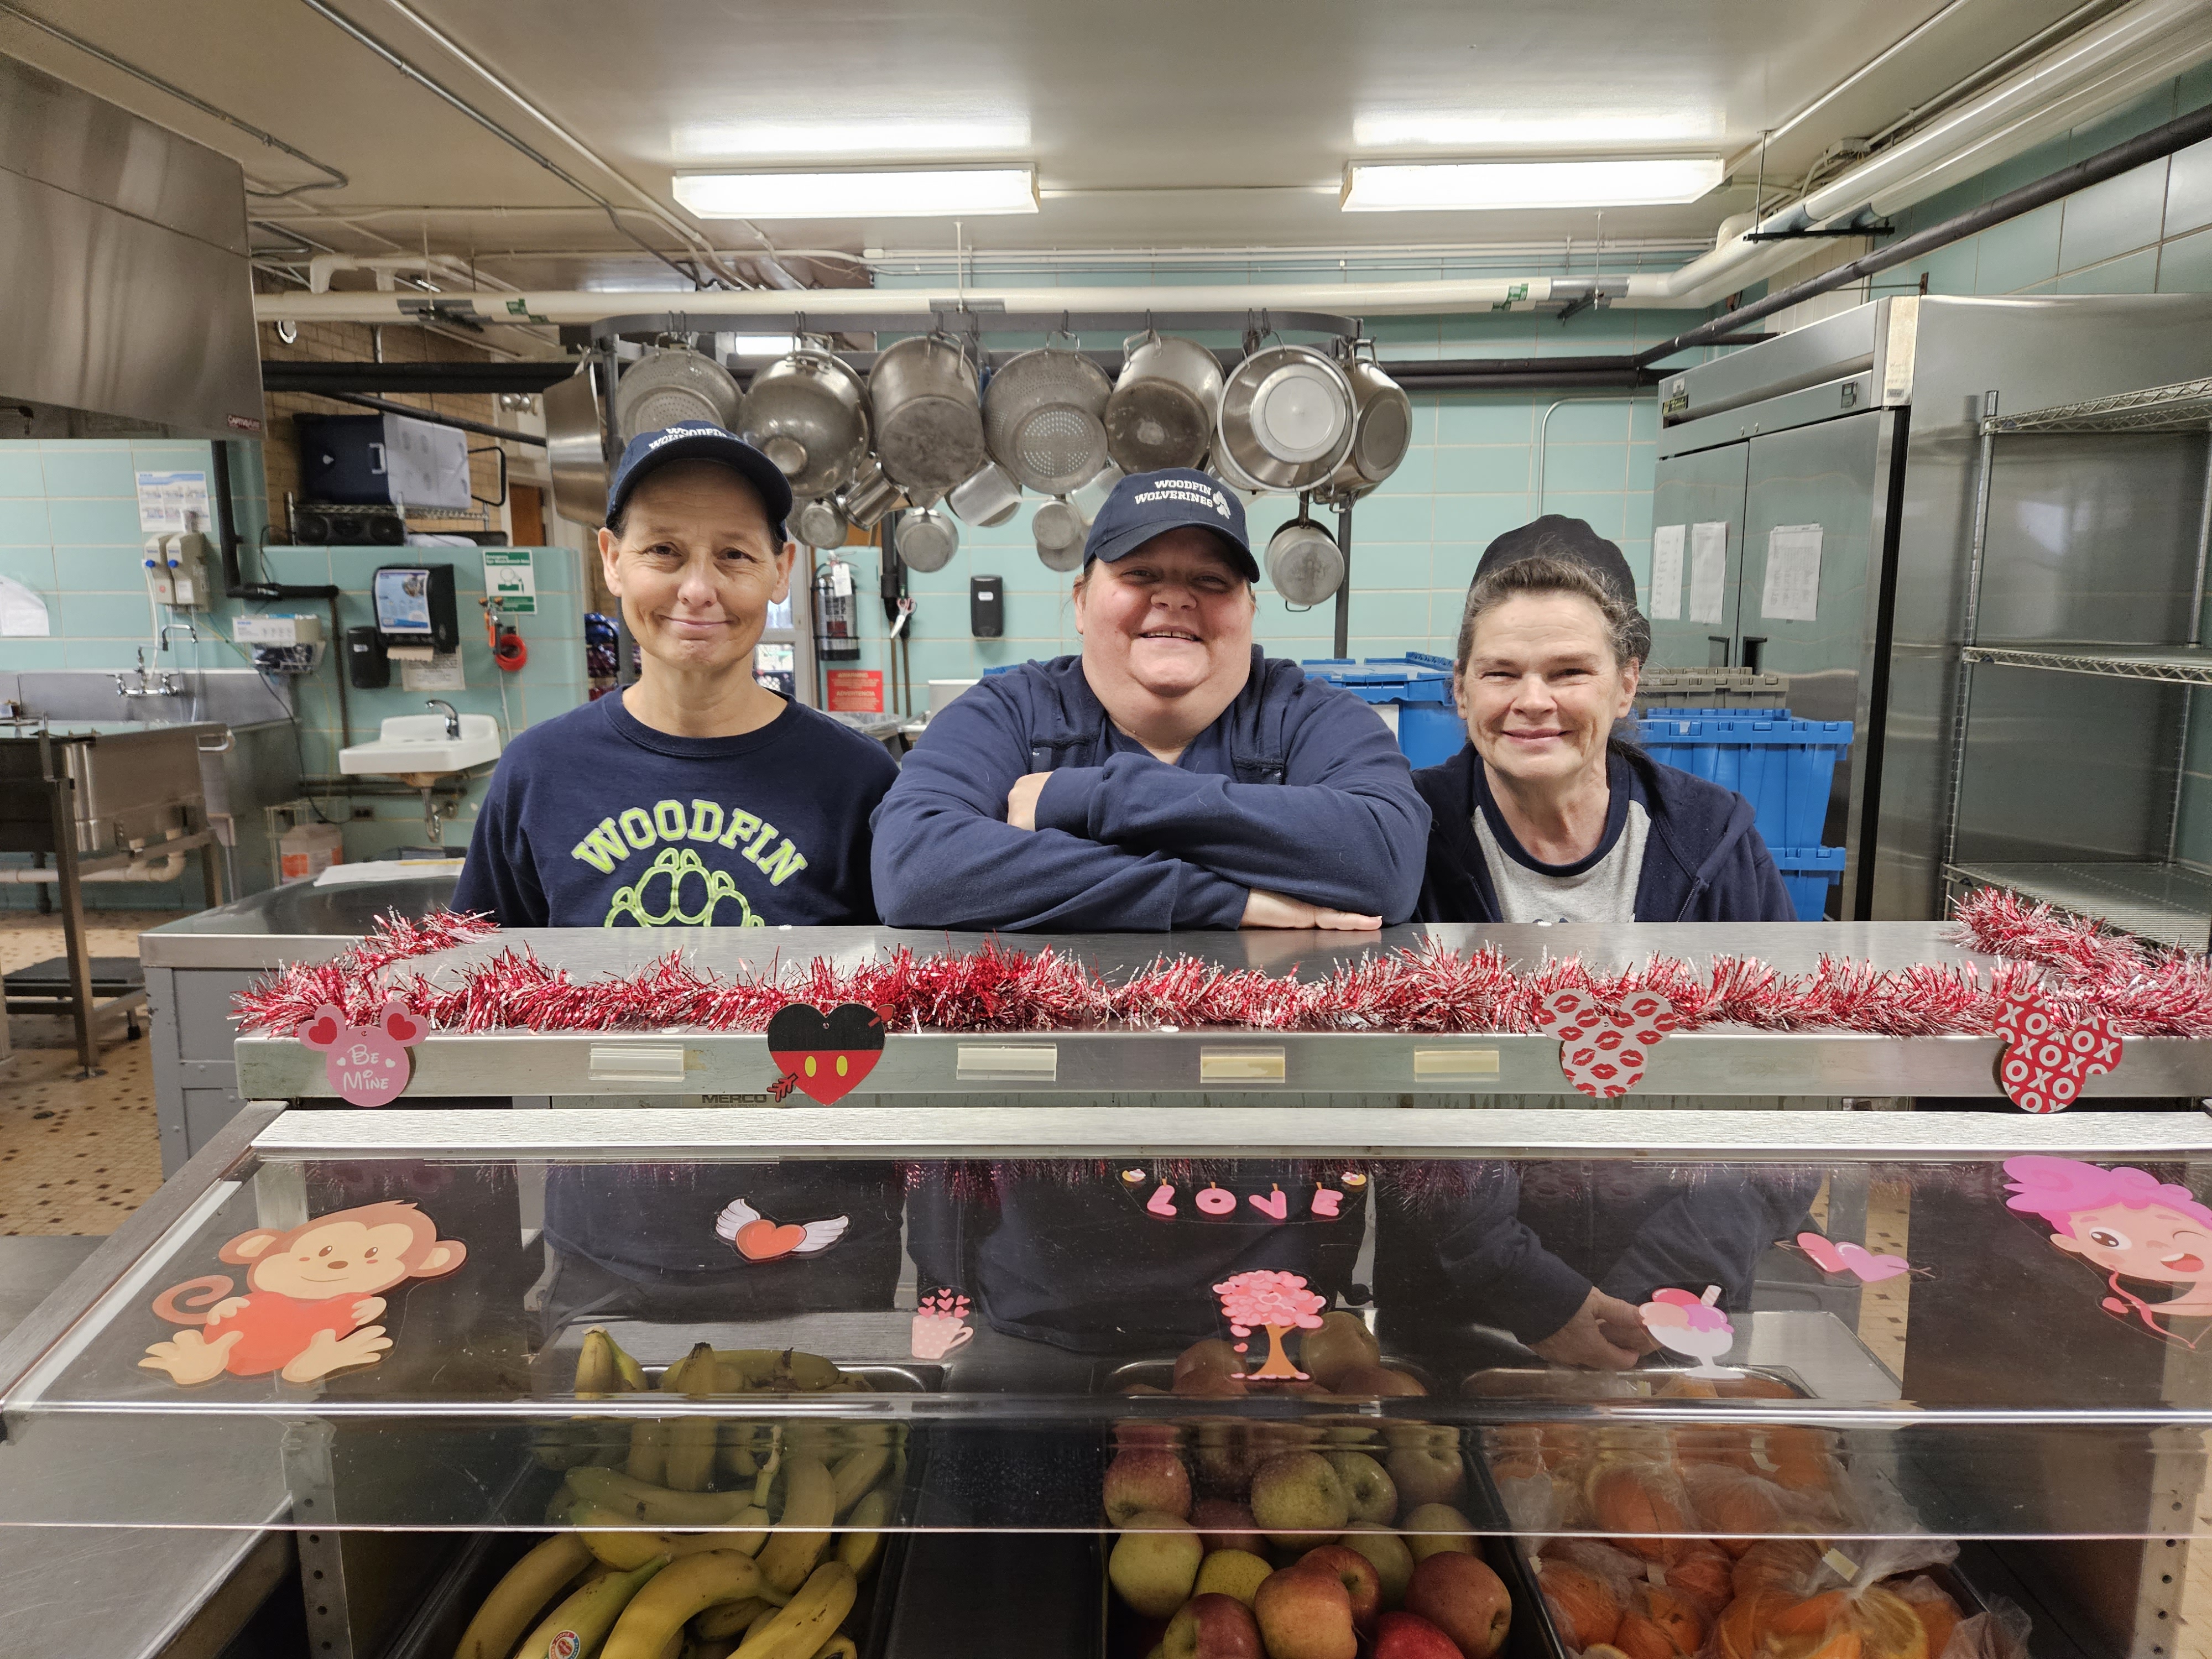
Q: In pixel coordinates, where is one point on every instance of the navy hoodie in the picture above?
(1297, 788)
(1703, 860)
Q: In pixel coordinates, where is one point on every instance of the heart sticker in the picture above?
(1604, 1046)
(2047, 1057)
(1869, 1268)
(823, 1056)
(756, 1238)
(367, 1065)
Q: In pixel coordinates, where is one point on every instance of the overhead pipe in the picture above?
(166, 868)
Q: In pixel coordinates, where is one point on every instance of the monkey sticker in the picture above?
(311, 1295)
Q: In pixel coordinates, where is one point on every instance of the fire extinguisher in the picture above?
(836, 622)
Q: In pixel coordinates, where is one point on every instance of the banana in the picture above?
(682, 1590)
(774, 1370)
(602, 1368)
(560, 1446)
(728, 1619)
(859, 1471)
(674, 1647)
(798, 1631)
(626, 1549)
(810, 1508)
(635, 1500)
(519, 1597)
(649, 1452)
(586, 1617)
(691, 1439)
(837, 1647)
(760, 1622)
(720, 1648)
(862, 1539)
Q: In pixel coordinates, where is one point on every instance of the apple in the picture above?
(1427, 1469)
(1298, 1493)
(1342, 1343)
(1233, 1572)
(1394, 1562)
(1376, 1380)
(1438, 1529)
(1358, 1576)
(1215, 1356)
(1465, 1599)
(1305, 1615)
(1225, 1524)
(1155, 1562)
(1222, 1452)
(1147, 1479)
(1367, 1485)
(1212, 1627)
(1409, 1636)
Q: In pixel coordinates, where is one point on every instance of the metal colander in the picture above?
(673, 384)
(1044, 419)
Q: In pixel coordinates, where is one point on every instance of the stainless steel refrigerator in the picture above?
(1824, 484)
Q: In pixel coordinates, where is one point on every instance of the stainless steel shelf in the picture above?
(2181, 407)
(2174, 665)
(2152, 899)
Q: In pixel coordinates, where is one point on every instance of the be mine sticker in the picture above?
(367, 1065)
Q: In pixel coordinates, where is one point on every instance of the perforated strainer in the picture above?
(1044, 417)
(673, 384)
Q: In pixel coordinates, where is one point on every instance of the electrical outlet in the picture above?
(362, 812)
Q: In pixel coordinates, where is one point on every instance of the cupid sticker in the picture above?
(367, 1065)
(823, 1056)
(1604, 1046)
(2047, 1058)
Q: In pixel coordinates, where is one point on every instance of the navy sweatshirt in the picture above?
(1703, 860)
(1297, 788)
(595, 819)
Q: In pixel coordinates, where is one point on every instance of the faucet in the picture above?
(170, 627)
(452, 720)
(166, 687)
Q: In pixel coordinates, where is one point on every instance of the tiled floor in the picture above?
(74, 1157)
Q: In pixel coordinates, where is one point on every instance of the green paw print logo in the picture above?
(676, 864)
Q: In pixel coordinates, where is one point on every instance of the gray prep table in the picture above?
(196, 966)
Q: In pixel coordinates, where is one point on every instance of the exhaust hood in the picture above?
(127, 299)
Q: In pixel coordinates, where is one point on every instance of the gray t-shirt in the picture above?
(1530, 892)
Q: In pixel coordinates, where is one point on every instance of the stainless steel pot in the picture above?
(576, 450)
(926, 539)
(987, 497)
(928, 414)
(1305, 564)
(1164, 405)
(808, 412)
(1287, 417)
(1044, 419)
(819, 523)
(1381, 430)
(671, 384)
(1060, 531)
(871, 496)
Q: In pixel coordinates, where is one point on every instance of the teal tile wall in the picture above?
(69, 530)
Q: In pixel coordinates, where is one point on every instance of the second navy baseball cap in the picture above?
(701, 441)
(1144, 504)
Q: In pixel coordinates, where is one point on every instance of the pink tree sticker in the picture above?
(367, 1065)
(1276, 1303)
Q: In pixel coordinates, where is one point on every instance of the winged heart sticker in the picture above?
(756, 1238)
(1869, 1267)
(2047, 1057)
(1605, 1045)
(823, 1056)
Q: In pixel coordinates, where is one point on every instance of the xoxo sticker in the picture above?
(2047, 1057)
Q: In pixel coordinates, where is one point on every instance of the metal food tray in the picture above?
(1160, 1373)
(1643, 1382)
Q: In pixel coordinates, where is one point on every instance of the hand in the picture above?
(1605, 1334)
(1265, 909)
(1022, 799)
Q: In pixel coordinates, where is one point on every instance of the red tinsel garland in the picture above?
(2076, 964)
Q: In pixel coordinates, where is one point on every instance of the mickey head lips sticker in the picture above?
(823, 1056)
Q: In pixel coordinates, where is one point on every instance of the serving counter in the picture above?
(1031, 1293)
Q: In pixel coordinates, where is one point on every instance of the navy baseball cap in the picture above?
(1144, 504)
(1555, 535)
(701, 441)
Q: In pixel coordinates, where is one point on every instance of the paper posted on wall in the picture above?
(22, 612)
(1666, 597)
(1792, 589)
(1708, 570)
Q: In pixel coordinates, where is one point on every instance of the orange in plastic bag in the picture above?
(1627, 1501)
(1583, 1604)
(1742, 1508)
(1938, 1613)
(1701, 1573)
(1740, 1632)
(1777, 1563)
(1878, 1624)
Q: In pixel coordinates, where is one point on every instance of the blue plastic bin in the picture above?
(1783, 768)
(1809, 872)
(1413, 693)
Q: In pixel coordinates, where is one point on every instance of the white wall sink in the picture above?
(415, 745)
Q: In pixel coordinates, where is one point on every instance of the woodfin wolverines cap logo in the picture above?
(1144, 504)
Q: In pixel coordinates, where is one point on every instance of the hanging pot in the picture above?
(671, 384)
(1044, 419)
(1381, 430)
(987, 497)
(928, 414)
(808, 412)
(575, 452)
(1305, 564)
(1287, 417)
(1060, 531)
(871, 496)
(1164, 405)
(819, 523)
(926, 539)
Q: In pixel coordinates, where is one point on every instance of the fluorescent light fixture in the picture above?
(1411, 187)
(1454, 129)
(866, 137)
(920, 193)
(756, 345)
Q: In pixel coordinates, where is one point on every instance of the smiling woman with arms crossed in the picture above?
(1170, 777)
